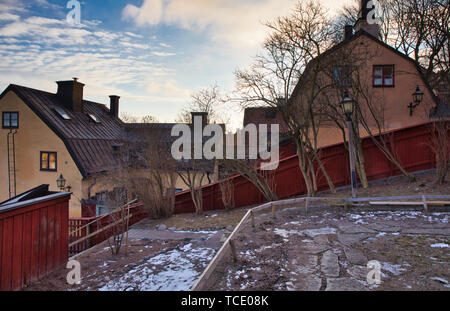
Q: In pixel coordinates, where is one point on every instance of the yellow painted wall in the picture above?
(34, 136)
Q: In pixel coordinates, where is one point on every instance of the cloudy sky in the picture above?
(153, 53)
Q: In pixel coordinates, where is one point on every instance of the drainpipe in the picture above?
(90, 187)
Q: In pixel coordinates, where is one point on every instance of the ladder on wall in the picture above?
(12, 162)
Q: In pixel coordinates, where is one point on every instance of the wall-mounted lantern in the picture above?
(417, 99)
(61, 183)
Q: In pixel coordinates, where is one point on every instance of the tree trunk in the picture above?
(325, 173)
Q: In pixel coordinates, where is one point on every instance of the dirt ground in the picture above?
(329, 249)
(424, 185)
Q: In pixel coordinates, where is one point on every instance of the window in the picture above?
(94, 119)
(383, 76)
(49, 161)
(62, 113)
(10, 120)
(342, 76)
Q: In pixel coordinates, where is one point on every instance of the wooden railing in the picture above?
(85, 233)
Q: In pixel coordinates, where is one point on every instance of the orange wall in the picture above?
(391, 102)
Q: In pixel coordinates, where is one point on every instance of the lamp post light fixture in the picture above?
(348, 106)
(61, 183)
(417, 99)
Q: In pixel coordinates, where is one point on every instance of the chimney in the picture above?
(348, 32)
(71, 94)
(114, 105)
(364, 9)
(204, 116)
(369, 26)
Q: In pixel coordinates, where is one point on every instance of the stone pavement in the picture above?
(330, 250)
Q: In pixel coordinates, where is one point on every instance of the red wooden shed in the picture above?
(33, 236)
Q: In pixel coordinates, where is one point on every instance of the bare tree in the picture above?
(263, 180)
(120, 223)
(440, 144)
(129, 118)
(227, 192)
(147, 170)
(289, 65)
(205, 100)
(193, 173)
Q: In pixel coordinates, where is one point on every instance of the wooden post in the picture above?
(128, 228)
(253, 219)
(425, 206)
(351, 148)
(233, 250)
(88, 241)
(306, 205)
(273, 211)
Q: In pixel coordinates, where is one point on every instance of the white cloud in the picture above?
(150, 13)
(8, 17)
(163, 54)
(36, 51)
(168, 88)
(238, 22)
(48, 5)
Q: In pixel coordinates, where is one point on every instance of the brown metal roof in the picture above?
(90, 144)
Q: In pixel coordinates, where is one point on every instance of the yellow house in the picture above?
(45, 136)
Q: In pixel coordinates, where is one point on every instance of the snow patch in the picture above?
(394, 269)
(439, 245)
(177, 271)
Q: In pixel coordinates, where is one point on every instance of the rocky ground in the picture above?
(329, 249)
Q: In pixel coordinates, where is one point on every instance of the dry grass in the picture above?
(212, 220)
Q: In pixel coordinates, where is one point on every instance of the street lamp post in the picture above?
(348, 106)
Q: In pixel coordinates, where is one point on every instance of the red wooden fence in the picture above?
(137, 214)
(411, 146)
(33, 239)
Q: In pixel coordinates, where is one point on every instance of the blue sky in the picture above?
(153, 53)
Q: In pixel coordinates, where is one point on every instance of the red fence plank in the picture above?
(410, 145)
(43, 242)
(33, 242)
(7, 249)
(17, 252)
(35, 229)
